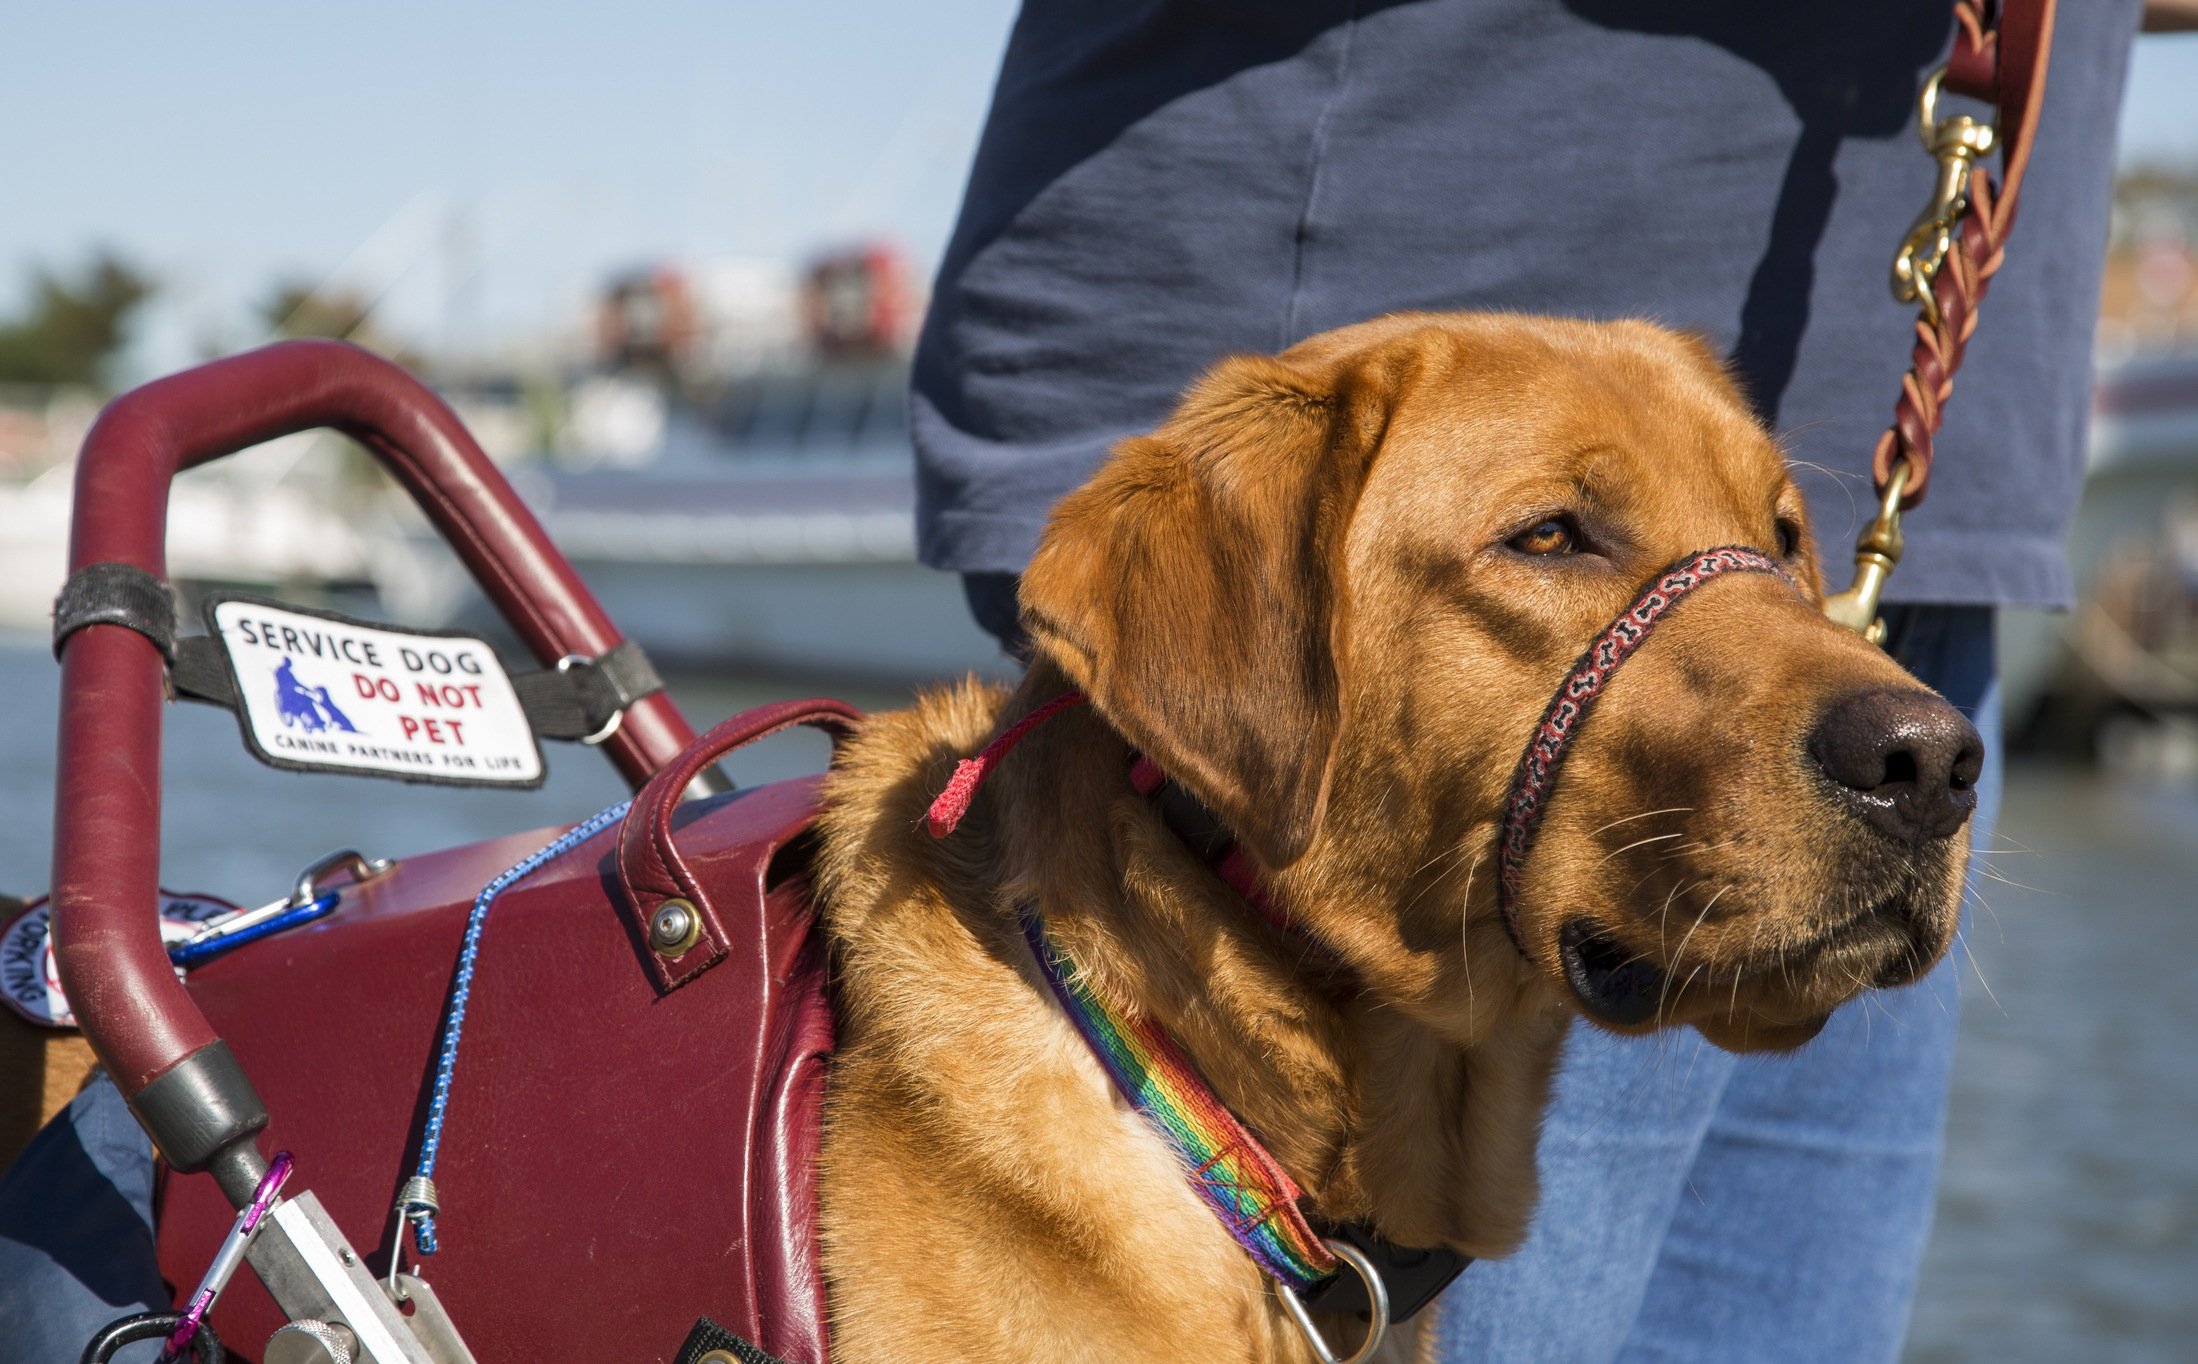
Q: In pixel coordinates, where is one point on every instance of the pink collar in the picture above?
(1229, 861)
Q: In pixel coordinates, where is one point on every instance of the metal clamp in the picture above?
(361, 867)
(312, 1273)
(415, 1195)
(1377, 1294)
(1877, 553)
(306, 902)
(1957, 142)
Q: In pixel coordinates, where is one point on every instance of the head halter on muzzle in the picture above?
(1536, 776)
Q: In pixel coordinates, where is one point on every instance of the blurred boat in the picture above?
(772, 531)
(258, 522)
(2129, 651)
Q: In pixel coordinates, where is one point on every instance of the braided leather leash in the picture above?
(1947, 261)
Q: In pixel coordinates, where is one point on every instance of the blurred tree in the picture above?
(332, 314)
(295, 309)
(72, 328)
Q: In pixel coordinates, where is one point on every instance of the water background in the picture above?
(2068, 1221)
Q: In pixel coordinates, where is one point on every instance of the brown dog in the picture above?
(1331, 597)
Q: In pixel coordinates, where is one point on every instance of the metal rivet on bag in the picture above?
(674, 928)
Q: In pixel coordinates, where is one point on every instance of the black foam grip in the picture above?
(200, 1107)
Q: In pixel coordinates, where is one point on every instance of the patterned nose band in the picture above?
(1536, 776)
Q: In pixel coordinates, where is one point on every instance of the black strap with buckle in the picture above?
(582, 697)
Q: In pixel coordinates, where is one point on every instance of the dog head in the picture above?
(1333, 594)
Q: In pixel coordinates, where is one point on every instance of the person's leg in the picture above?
(1703, 1207)
(991, 598)
(1623, 1127)
(76, 1233)
(1829, 1159)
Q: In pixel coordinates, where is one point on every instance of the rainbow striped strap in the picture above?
(1227, 1167)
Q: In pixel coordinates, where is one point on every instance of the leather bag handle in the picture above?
(682, 930)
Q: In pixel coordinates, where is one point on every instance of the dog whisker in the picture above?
(1680, 955)
(1663, 917)
(1645, 814)
(1991, 873)
(1638, 844)
(1671, 995)
(1971, 893)
(1845, 483)
(1465, 931)
(1978, 971)
(1679, 850)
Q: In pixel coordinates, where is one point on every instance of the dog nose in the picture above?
(1905, 760)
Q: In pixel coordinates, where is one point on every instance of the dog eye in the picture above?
(1789, 538)
(1554, 536)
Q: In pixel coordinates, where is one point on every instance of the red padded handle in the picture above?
(650, 868)
(106, 860)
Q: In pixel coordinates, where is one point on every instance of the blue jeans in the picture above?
(1702, 1207)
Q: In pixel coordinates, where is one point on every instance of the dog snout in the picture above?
(1906, 761)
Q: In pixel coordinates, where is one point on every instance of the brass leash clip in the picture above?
(1957, 142)
(1876, 554)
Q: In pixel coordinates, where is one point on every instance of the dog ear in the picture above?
(1192, 588)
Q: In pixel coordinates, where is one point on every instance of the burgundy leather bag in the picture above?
(630, 1141)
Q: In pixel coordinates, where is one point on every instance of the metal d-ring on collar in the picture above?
(1536, 775)
(1377, 1318)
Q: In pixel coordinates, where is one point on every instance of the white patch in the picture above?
(325, 694)
(30, 983)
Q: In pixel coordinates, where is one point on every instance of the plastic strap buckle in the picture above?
(1413, 1277)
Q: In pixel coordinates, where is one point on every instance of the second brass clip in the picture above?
(1877, 552)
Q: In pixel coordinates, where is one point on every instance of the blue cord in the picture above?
(417, 1203)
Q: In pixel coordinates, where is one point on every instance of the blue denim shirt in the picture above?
(1166, 182)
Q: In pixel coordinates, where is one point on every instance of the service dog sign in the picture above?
(317, 692)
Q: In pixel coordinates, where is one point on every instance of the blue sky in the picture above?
(489, 163)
